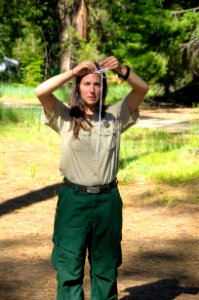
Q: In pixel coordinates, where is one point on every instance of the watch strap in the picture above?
(126, 76)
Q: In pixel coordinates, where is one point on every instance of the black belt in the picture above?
(91, 189)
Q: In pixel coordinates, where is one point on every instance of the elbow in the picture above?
(145, 89)
(39, 92)
(142, 90)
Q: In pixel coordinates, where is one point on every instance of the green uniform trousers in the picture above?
(87, 221)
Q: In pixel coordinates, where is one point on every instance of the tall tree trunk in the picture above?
(71, 14)
(65, 16)
(80, 18)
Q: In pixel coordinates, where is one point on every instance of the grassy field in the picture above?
(147, 154)
(158, 155)
(158, 182)
(26, 94)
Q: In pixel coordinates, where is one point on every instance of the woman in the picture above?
(89, 209)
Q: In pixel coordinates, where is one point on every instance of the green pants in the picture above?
(87, 221)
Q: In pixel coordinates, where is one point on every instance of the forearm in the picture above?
(139, 86)
(49, 86)
(45, 90)
(139, 89)
(135, 81)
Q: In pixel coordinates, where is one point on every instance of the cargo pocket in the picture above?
(54, 255)
(57, 219)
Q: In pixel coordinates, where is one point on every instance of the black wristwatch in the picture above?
(126, 76)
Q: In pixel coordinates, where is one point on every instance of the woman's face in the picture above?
(90, 89)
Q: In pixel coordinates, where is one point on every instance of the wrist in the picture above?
(73, 73)
(125, 72)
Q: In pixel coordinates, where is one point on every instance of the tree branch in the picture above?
(184, 10)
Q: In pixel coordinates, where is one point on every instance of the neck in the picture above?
(90, 110)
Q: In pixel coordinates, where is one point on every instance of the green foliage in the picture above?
(82, 49)
(150, 36)
(29, 33)
(29, 50)
(89, 49)
(5, 31)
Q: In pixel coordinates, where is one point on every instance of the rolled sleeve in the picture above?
(125, 117)
(58, 116)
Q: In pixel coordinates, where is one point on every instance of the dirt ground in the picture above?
(160, 239)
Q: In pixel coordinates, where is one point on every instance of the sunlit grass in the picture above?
(155, 155)
(115, 92)
(20, 91)
(140, 156)
(37, 134)
(145, 153)
(17, 91)
(25, 115)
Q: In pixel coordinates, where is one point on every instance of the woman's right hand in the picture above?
(83, 68)
(45, 90)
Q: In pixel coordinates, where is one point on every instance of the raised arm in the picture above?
(139, 86)
(44, 91)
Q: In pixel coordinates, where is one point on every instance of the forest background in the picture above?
(159, 39)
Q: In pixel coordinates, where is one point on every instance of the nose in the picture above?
(92, 88)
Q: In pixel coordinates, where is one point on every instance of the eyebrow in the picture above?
(98, 82)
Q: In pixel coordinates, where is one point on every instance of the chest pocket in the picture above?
(108, 138)
(83, 143)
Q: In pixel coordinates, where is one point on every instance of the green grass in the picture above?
(145, 153)
(155, 91)
(26, 92)
(157, 155)
(117, 93)
(20, 91)
(17, 91)
(25, 115)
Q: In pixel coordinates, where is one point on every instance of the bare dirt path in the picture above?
(160, 245)
(160, 241)
(171, 119)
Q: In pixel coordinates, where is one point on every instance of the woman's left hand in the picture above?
(112, 63)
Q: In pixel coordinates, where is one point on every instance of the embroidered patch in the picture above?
(106, 124)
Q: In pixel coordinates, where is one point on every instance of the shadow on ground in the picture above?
(30, 279)
(168, 258)
(28, 199)
(166, 289)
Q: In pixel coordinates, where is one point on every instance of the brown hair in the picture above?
(77, 113)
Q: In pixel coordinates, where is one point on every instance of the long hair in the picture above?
(77, 112)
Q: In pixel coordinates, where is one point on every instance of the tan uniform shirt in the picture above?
(81, 162)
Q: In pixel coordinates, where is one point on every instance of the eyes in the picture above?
(97, 84)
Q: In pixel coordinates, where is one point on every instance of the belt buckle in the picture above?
(93, 189)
